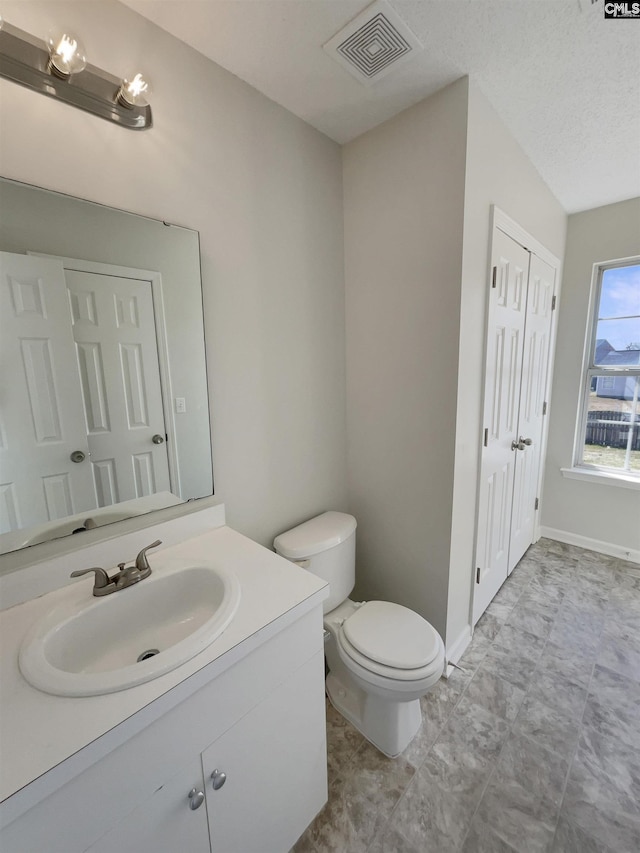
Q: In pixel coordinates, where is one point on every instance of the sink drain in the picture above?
(148, 654)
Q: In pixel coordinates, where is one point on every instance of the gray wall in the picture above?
(404, 200)
(597, 511)
(265, 192)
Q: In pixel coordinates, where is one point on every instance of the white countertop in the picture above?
(38, 731)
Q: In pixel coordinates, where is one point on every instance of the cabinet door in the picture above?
(165, 823)
(274, 759)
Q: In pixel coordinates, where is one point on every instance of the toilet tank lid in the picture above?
(316, 535)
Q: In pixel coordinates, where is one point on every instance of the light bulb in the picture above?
(66, 55)
(135, 92)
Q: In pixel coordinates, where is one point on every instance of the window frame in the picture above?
(590, 370)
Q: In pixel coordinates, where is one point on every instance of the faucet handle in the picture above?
(141, 560)
(101, 579)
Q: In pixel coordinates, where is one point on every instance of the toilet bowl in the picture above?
(382, 657)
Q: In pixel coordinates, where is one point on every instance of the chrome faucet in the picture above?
(105, 585)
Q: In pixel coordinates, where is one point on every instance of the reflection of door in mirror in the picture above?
(115, 336)
(93, 380)
(165, 258)
(42, 420)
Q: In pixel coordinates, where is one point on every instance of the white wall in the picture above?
(497, 172)
(265, 192)
(403, 208)
(574, 508)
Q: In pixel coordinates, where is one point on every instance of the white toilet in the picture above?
(382, 657)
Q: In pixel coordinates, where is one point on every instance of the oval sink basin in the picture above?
(89, 646)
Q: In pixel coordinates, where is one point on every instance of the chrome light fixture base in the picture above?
(26, 60)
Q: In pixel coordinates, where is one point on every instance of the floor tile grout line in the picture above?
(587, 690)
(484, 790)
(529, 686)
(497, 759)
(511, 731)
(505, 740)
(580, 729)
(569, 763)
(417, 769)
(428, 753)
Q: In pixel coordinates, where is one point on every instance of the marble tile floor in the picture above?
(533, 745)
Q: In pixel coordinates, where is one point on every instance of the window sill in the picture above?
(625, 481)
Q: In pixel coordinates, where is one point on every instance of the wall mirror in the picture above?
(104, 410)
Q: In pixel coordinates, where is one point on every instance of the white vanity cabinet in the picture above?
(269, 771)
(261, 722)
(275, 770)
(165, 823)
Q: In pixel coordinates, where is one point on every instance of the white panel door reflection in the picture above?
(82, 422)
(41, 414)
(115, 335)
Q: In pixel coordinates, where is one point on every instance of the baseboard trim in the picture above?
(608, 548)
(457, 649)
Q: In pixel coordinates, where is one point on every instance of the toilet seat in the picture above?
(391, 641)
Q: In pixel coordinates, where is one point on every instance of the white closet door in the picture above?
(532, 395)
(516, 371)
(505, 334)
(41, 414)
(114, 330)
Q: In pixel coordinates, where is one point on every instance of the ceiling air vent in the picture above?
(373, 44)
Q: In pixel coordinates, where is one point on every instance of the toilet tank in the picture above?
(326, 546)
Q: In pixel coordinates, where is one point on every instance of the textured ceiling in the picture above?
(565, 81)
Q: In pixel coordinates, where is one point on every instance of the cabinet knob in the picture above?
(218, 778)
(196, 799)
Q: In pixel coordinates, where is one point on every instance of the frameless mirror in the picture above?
(104, 409)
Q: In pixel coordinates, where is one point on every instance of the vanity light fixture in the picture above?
(135, 92)
(66, 56)
(59, 70)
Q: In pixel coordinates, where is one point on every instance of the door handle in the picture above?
(77, 456)
(521, 443)
(157, 439)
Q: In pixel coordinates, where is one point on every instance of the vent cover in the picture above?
(374, 43)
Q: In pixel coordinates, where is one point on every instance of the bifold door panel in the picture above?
(517, 358)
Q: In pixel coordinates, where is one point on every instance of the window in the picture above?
(609, 435)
